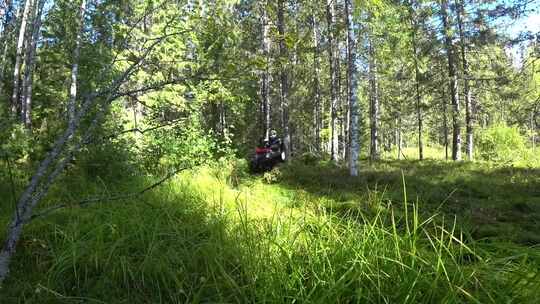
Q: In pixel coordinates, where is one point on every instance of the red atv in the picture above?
(267, 156)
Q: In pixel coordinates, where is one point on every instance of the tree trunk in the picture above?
(374, 103)
(317, 84)
(3, 65)
(347, 117)
(466, 87)
(333, 83)
(222, 120)
(456, 122)
(135, 116)
(3, 15)
(343, 105)
(62, 152)
(284, 80)
(338, 110)
(417, 83)
(72, 102)
(30, 59)
(420, 121)
(445, 123)
(19, 57)
(5, 9)
(292, 87)
(352, 76)
(399, 136)
(265, 77)
(5, 36)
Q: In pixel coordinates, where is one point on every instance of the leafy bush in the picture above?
(501, 143)
(15, 142)
(177, 146)
(111, 160)
(309, 158)
(273, 176)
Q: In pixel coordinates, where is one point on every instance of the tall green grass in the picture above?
(512, 155)
(207, 237)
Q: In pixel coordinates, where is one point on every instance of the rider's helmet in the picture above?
(273, 134)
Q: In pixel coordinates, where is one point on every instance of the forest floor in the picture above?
(402, 232)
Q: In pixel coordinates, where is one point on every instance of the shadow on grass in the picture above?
(170, 246)
(163, 247)
(490, 202)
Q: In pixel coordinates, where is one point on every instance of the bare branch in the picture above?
(43, 178)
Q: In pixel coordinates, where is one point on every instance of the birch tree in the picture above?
(352, 74)
(414, 42)
(72, 106)
(19, 56)
(6, 33)
(330, 19)
(265, 75)
(374, 102)
(453, 85)
(5, 9)
(466, 75)
(30, 59)
(338, 108)
(317, 115)
(67, 144)
(284, 98)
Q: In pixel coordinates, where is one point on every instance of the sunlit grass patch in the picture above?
(314, 236)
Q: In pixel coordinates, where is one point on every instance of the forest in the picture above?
(269, 151)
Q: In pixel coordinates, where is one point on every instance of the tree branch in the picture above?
(168, 124)
(58, 157)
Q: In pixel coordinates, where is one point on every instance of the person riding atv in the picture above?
(269, 153)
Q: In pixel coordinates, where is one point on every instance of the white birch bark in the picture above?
(56, 160)
(353, 89)
(265, 78)
(30, 59)
(453, 86)
(72, 106)
(316, 79)
(419, 114)
(330, 18)
(374, 104)
(5, 36)
(5, 7)
(283, 53)
(338, 121)
(466, 86)
(19, 56)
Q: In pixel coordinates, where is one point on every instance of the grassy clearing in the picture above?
(526, 157)
(499, 203)
(301, 234)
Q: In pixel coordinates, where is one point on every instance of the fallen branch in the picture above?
(42, 179)
(403, 154)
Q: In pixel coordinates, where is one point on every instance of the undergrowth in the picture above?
(216, 234)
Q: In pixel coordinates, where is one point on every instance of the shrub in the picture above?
(15, 142)
(177, 146)
(501, 143)
(273, 176)
(309, 158)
